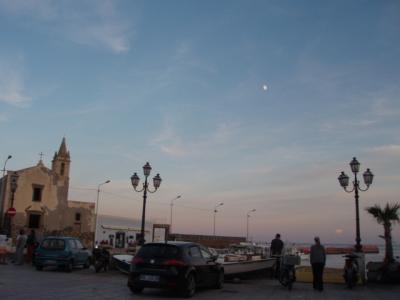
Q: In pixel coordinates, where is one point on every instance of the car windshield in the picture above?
(164, 251)
(53, 244)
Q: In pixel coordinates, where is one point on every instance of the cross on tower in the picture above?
(41, 155)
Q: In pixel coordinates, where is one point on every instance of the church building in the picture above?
(38, 196)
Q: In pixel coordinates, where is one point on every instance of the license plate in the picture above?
(153, 278)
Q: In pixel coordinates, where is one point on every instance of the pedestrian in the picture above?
(3, 249)
(19, 248)
(276, 251)
(276, 245)
(317, 260)
(31, 243)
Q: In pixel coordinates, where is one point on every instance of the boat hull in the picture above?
(241, 267)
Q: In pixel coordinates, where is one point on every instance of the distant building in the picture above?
(41, 199)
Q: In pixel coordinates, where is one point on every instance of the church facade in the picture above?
(39, 196)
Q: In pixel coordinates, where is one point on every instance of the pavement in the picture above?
(24, 282)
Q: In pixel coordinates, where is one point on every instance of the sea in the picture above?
(337, 260)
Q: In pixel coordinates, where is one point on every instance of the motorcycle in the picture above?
(350, 271)
(101, 258)
(287, 274)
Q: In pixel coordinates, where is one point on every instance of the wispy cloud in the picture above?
(171, 143)
(12, 85)
(386, 150)
(92, 23)
(3, 118)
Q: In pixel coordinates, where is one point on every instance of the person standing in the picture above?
(276, 251)
(3, 249)
(276, 245)
(19, 247)
(317, 260)
(31, 243)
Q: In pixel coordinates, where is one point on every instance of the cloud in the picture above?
(172, 144)
(3, 118)
(91, 23)
(393, 150)
(12, 85)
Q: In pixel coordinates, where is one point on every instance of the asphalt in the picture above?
(24, 282)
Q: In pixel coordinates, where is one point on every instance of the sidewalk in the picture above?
(24, 282)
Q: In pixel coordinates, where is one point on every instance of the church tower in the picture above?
(61, 161)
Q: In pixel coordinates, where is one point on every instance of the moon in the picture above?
(265, 87)
(339, 231)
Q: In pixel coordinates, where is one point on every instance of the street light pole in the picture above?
(14, 185)
(170, 219)
(344, 182)
(4, 168)
(215, 214)
(135, 182)
(247, 227)
(97, 210)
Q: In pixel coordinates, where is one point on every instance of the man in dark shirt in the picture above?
(276, 245)
(276, 250)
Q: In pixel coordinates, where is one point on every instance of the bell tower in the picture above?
(61, 161)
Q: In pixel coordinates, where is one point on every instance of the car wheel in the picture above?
(87, 264)
(69, 266)
(190, 286)
(136, 289)
(220, 280)
(39, 268)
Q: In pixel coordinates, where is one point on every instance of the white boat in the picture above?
(247, 266)
(122, 262)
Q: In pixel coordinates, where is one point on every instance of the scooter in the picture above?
(101, 259)
(350, 271)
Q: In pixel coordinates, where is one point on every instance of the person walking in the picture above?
(276, 251)
(31, 243)
(317, 260)
(19, 248)
(3, 249)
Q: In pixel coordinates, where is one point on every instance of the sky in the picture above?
(254, 104)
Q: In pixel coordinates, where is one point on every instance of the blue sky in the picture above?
(180, 84)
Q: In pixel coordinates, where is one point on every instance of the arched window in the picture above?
(62, 169)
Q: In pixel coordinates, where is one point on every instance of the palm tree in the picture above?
(386, 216)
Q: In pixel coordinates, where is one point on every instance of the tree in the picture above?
(386, 216)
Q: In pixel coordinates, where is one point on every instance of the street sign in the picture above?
(11, 212)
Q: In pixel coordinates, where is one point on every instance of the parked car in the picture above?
(182, 266)
(63, 252)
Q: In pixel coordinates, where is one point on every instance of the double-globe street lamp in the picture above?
(247, 226)
(215, 214)
(97, 210)
(135, 182)
(344, 182)
(172, 205)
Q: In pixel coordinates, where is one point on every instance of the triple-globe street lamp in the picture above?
(135, 182)
(344, 182)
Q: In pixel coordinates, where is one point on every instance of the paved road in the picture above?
(23, 282)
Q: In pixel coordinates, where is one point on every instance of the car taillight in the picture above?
(174, 263)
(137, 260)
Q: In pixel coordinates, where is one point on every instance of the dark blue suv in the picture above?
(64, 252)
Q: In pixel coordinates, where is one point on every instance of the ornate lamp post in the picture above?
(247, 227)
(170, 219)
(97, 210)
(344, 182)
(215, 214)
(135, 182)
